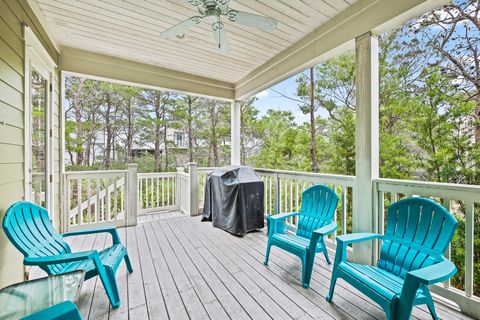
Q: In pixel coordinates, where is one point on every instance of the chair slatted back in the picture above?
(417, 234)
(319, 203)
(29, 228)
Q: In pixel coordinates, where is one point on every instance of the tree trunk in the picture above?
(158, 131)
(78, 121)
(165, 142)
(214, 138)
(129, 142)
(313, 142)
(109, 133)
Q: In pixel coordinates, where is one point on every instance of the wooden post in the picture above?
(235, 132)
(178, 189)
(193, 186)
(366, 141)
(132, 195)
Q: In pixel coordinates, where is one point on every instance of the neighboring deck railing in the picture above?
(157, 192)
(97, 197)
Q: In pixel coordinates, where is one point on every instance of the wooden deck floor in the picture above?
(186, 269)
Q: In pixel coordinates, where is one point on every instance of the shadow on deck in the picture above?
(185, 269)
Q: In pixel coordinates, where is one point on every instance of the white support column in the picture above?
(132, 194)
(366, 141)
(235, 132)
(193, 185)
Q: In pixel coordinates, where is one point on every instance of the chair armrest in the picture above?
(329, 228)
(274, 222)
(108, 229)
(282, 216)
(415, 279)
(437, 272)
(60, 258)
(319, 233)
(347, 239)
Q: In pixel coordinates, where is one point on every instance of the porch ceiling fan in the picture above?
(212, 11)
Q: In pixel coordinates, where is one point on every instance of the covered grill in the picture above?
(234, 200)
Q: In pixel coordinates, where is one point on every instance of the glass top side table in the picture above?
(24, 298)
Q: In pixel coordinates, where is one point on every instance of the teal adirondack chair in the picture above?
(411, 258)
(314, 222)
(29, 228)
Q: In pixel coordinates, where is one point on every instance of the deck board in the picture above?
(186, 269)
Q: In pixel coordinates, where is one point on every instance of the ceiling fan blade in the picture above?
(181, 28)
(195, 3)
(220, 35)
(223, 5)
(252, 20)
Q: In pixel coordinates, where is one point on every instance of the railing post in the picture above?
(366, 141)
(193, 188)
(178, 191)
(132, 194)
(235, 132)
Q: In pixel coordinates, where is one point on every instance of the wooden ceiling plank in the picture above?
(62, 19)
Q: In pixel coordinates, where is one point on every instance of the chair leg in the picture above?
(110, 284)
(333, 282)
(308, 269)
(325, 252)
(128, 263)
(305, 283)
(267, 254)
(431, 306)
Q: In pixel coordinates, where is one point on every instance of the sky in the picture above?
(269, 99)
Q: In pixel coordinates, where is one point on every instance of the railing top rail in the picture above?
(157, 174)
(310, 175)
(95, 172)
(429, 184)
(205, 169)
(447, 190)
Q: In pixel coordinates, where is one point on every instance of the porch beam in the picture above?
(104, 67)
(235, 132)
(366, 141)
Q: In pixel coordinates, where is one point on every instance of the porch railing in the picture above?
(156, 192)
(464, 202)
(94, 197)
(109, 197)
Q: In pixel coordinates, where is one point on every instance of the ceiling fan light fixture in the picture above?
(181, 36)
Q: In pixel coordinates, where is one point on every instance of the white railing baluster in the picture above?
(158, 191)
(89, 203)
(97, 200)
(447, 253)
(469, 246)
(163, 192)
(115, 198)
(344, 210)
(79, 200)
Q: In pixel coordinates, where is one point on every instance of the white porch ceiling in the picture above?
(130, 29)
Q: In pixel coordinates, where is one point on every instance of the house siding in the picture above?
(13, 14)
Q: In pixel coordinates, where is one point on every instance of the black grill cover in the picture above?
(234, 200)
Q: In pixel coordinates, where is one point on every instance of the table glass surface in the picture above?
(25, 298)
